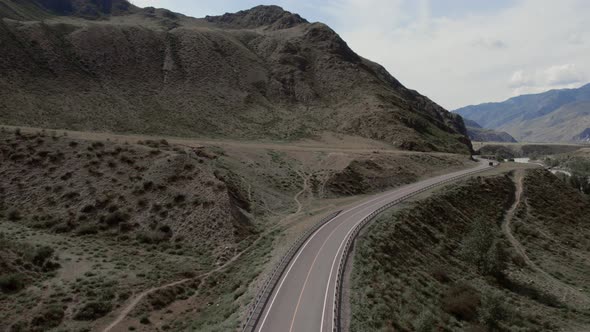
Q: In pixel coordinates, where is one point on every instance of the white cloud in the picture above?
(564, 74)
(467, 59)
(520, 78)
(553, 77)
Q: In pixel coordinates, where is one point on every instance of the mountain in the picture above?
(552, 116)
(43, 9)
(583, 136)
(479, 134)
(263, 73)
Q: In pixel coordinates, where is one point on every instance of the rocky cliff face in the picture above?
(259, 73)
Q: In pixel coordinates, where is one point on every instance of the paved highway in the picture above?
(304, 297)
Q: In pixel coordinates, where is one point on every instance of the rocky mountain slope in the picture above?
(263, 73)
(42, 9)
(552, 116)
(479, 134)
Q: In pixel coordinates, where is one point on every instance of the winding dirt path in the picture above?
(140, 296)
(574, 295)
(305, 188)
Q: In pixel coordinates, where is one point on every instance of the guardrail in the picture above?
(364, 222)
(263, 295)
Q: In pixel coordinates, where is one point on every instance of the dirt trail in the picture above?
(574, 295)
(137, 299)
(305, 188)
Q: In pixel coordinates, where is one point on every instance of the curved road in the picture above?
(303, 299)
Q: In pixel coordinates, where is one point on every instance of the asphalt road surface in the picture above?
(304, 297)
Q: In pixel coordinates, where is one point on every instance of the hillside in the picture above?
(263, 73)
(91, 223)
(552, 116)
(495, 253)
(479, 134)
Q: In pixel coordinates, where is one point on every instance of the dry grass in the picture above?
(410, 266)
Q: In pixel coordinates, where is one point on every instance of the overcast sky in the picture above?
(457, 52)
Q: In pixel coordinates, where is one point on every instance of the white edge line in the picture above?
(331, 272)
(305, 245)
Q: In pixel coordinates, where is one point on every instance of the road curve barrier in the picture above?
(263, 295)
(363, 223)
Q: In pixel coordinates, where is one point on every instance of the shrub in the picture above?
(152, 237)
(481, 248)
(87, 229)
(179, 198)
(492, 310)
(11, 282)
(48, 318)
(425, 322)
(87, 208)
(116, 218)
(14, 215)
(41, 255)
(461, 301)
(440, 274)
(148, 185)
(63, 227)
(93, 310)
(163, 297)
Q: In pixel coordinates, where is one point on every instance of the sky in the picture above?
(456, 52)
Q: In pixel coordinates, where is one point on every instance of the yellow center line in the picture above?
(309, 273)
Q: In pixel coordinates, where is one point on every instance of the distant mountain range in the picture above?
(262, 73)
(479, 134)
(553, 116)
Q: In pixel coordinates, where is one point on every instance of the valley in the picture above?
(250, 171)
(129, 242)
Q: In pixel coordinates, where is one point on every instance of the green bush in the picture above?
(14, 215)
(41, 255)
(116, 218)
(87, 229)
(425, 322)
(492, 310)
(482, 249)
(93, 310)
(48, 318)
(12, 282)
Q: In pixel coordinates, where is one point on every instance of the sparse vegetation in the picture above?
(481, 247)
(93, 310)
(442, 263)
